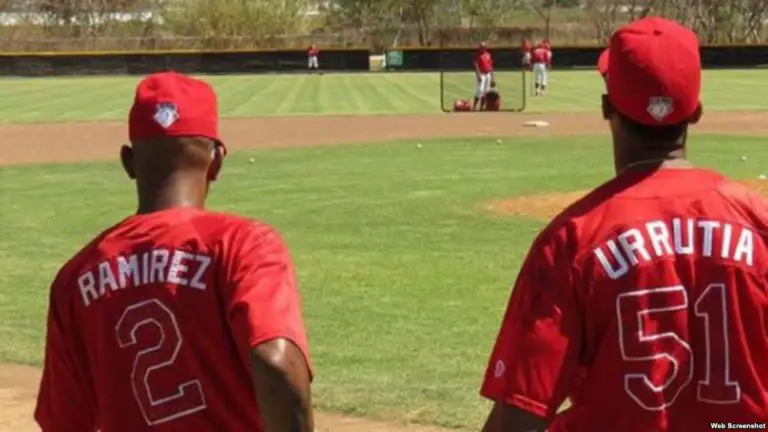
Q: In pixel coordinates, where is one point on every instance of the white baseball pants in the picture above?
(313, 63)
(540, 74)
(483, 84)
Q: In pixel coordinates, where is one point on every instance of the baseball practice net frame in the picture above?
(457, 73)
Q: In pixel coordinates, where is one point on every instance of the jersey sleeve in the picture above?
(62, 402)
(537, 349)
(263, 299)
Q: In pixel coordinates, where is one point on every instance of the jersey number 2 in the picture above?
(643, 318)
(154, 355)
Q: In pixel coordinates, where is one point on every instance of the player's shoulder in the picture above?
(593, 207)
(225, 226)
(69, 268)
(85, 257)
(590, 206)
(215, 231)
(740, 192)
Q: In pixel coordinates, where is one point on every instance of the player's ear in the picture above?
(607, 107)
(217, 162)
(696, 116)
(126, 158)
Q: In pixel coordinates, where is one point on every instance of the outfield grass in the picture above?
(107, 98)
(404, 276)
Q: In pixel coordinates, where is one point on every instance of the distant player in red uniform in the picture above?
(647, 299)
(483, 72)
(525, 50)
(176, 318)
(541, 58)
(313, 52)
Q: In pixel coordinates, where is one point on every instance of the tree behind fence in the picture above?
(107, 25)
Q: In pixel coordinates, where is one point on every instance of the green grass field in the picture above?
(404, 275)
(107, 98)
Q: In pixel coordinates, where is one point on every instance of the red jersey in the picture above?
(313, 51)
(483, 62)
(526, 47)
(647, 300)
(150, 325)
(541, 55)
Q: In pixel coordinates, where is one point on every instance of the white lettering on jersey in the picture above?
(87, 284)
(178, 268)
(159, 262)
(681, 249)
(174, 267)
(197, 281)
(622, 266)
(128, 268)
(106, 278)
(634, 245)
(659, 235)
(745, 250)
(706, 238)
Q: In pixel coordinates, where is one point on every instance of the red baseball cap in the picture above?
(654, 72)
(170, 104)
(602, 63)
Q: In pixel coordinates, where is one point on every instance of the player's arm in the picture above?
(502, 415)
(266, 320)
(492, 73)
(282, 384)
(63, 404)
(537, 351)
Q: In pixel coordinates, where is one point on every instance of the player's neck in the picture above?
(653, 160)
(172, 194)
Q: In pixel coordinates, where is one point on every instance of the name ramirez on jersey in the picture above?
(678, 236)
(175, 267)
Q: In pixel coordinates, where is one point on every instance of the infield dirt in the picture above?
(72, 142)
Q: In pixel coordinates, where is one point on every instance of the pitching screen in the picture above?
(461, 85)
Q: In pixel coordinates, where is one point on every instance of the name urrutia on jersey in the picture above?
(154, 266)
(705, 238)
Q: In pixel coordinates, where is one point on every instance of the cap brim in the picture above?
(602, 63)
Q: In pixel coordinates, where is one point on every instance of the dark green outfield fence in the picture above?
(245, 62)
(735, 56)
(193, 62)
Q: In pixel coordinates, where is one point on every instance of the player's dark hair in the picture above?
(659, 134)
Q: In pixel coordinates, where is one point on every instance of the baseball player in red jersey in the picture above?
(541, 58)
(312, 58)
(645, 301)
(483, 72)
(526, 52)
(176, 318)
